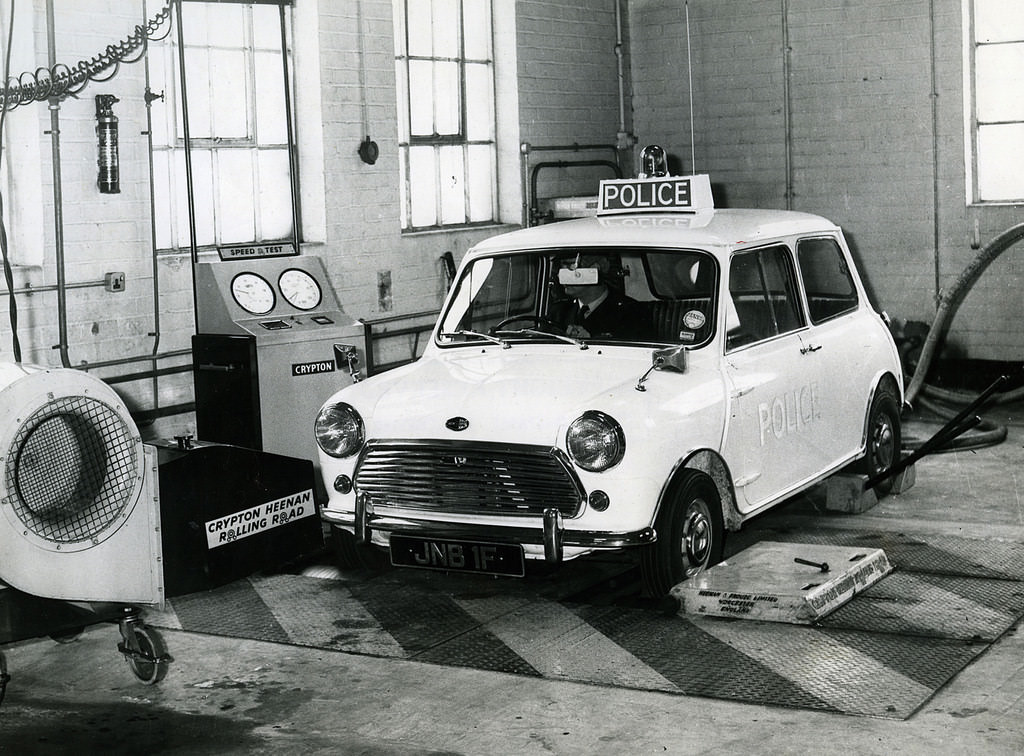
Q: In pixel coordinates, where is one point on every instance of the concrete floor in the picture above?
(224, 695)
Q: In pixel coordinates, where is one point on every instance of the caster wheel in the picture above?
(149, 663)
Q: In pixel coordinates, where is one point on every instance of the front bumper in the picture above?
(553, 535)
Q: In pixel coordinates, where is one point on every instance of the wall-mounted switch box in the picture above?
(113, 281)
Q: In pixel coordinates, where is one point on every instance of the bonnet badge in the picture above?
(456, 423)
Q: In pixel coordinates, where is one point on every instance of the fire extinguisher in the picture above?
(106, 130)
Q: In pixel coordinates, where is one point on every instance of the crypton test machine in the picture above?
(272, 343)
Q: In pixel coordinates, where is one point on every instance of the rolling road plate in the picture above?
(797, 583)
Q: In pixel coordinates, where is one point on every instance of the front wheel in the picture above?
(691, 535)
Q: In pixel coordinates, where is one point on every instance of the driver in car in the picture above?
(596, 308)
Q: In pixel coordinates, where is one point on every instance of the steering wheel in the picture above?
(535, 319)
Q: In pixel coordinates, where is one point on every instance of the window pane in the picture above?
(197, 80)
(421, 105)
(778, 272)
(446, 28)
(419, 28)
(161, 109)
(827, 279)
(162, 199)
(227, 89)
(999, 20)
(481, 183)
(235, 193)
(271, 118)
(423, 183)
(479, 102)
(447, 110)
(1001, 162)
(266, 27)
(202, 188)
(275, 194)
(453, 184)
(1000, 77)
(477, 26)
(226, 25)
(195, 23)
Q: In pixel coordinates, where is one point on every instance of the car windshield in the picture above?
(588, 294)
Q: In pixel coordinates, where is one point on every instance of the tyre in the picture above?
(350, 555)
(691, 535)
(884, 437)
(150, 665)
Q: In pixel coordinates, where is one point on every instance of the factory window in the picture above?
(995, 117)
(239, 143)
(446, 113)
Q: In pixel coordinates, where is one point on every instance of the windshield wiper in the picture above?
(463, 332)
(560, 336)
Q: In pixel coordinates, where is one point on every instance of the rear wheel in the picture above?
(884, 438)
(690, 532)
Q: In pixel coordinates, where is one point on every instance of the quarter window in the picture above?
(827, 279)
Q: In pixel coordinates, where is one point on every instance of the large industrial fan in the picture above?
(79, 509)
(80, 538)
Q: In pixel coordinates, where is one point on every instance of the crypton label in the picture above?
(267, 516)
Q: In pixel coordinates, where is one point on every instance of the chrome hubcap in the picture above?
(697, 537)
(882, 445)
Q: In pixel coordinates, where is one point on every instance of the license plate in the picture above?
(461, 556)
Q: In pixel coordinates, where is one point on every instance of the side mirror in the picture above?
(672, 358)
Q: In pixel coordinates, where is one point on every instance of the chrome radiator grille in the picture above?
(498, 479)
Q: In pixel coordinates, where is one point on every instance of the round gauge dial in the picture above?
(300, 289)
(253, 293)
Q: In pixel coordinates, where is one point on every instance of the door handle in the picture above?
(810, 348)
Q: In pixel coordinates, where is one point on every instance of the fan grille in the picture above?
(72, 470)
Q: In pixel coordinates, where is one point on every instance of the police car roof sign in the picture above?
(674, 194)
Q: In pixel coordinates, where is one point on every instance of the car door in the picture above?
(770, 442)
(834, 347)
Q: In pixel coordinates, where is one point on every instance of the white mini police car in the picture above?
(645, 379)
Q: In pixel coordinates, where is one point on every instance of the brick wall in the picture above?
(569, 89)
(863, 149)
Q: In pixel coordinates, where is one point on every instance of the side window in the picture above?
(827, 279)
(762, 289)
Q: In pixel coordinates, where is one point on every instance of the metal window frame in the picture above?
(439, 141)
(972, 122)
(187, 143)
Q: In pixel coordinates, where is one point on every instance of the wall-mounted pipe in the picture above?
(534, 214)
(525, 148)
(58, 199)
(934, 95)
(787, 105)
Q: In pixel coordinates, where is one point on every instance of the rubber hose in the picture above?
(951, 299)
(985, 433)
(963, 397)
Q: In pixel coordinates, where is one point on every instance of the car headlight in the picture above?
(339, 430)
(595, 441)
